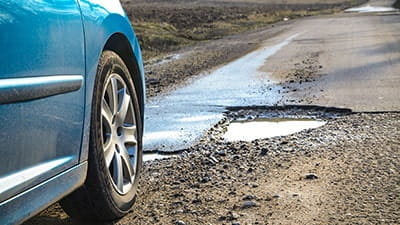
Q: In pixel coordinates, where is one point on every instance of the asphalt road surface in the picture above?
(348, 60)
(359, 55)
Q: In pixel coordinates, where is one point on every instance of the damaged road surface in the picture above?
(346, 61)
(339, 71)
(175, 121)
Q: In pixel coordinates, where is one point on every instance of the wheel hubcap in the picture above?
(118, 132)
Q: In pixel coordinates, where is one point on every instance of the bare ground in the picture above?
(355, 160)
(345, 172)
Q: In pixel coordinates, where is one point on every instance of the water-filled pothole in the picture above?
(267, 128)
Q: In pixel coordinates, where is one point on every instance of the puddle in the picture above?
(154, 156)
(369, 9)
(267, 128)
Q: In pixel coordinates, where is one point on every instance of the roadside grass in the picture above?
(163, 27)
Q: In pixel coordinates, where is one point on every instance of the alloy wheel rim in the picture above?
(118, 133)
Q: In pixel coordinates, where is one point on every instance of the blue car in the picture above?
(71, 109)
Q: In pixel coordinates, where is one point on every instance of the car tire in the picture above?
(115, 146)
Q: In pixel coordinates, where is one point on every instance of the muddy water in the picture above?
(266, 128)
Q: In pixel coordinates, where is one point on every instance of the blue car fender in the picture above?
(108, 27)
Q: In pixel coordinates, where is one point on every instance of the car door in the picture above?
(41, 91)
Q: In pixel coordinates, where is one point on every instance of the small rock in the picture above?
(196, 185)
(276, 196)
(249, 197)
(180, 222)
(235, 223)
(232, 193)
(248, 204)
(221, 153)
(311, 176)
(236, 157)
(264, 151)
(214, 159)
(205, 179)
(254, 185)
(179, 211)
(196, 200)
(221, 218)
(233, 216)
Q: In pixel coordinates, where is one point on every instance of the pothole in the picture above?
(261, 122)
(268, 127)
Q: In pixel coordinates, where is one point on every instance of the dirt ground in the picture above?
(345, 172)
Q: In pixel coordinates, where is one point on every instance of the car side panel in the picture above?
(30, 202)
(42, 91)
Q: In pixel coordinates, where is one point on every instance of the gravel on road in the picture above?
(345, 172)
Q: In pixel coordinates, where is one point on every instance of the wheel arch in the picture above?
(120, 44)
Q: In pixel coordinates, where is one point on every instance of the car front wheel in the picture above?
(115, 148)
